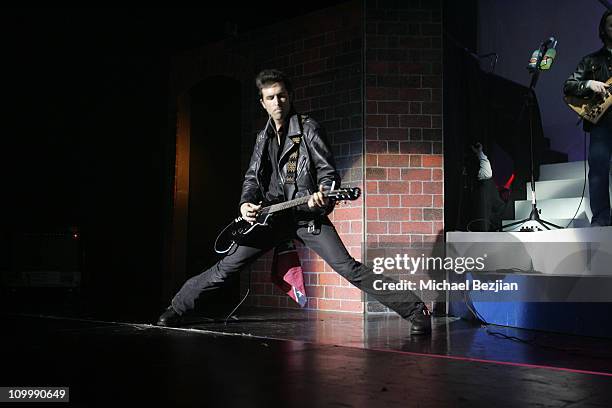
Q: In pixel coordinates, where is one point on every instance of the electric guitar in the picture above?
(591, 109)
(239, 228)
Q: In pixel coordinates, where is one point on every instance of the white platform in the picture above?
(567, 252)
(568, 265)
(563, 171)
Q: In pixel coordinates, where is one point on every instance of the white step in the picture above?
(558, 189)
(562, 171)
(551, 208)
(577, 252)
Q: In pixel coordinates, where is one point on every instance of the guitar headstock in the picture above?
(344, 194)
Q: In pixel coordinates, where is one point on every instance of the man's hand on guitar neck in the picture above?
(597, 86)
(249, 211)
(317, 199)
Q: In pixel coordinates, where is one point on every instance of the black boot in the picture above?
(420, 322)
(170, 318)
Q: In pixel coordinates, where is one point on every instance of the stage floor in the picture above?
(267, 358)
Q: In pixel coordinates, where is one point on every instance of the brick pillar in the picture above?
(403, 146)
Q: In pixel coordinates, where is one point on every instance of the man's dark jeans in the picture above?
(326, 244)
(599, 171)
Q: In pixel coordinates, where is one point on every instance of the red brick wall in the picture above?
(404, 174)
(403, 133)
(395, 59)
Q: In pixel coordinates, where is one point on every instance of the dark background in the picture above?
(86, 139)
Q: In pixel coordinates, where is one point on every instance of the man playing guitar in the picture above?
(589, 81)
(291, 158)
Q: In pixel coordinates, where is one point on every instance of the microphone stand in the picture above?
(535, 212)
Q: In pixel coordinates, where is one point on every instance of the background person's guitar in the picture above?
(238, 228)
(591, 109)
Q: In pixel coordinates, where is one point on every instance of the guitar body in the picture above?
(591, 109)
(241, 227)
(238, 229)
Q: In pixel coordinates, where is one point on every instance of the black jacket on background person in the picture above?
(315, 165)
(596, 66)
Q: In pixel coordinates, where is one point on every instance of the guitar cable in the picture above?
(221, 233)
(583, 185)
(229, 316)
(233, 245)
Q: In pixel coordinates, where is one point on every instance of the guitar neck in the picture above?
(287, 204)
(351, 193)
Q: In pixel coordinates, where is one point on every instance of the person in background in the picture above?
(588, 81)
(489, 207)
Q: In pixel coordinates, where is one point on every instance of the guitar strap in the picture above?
(290, 187)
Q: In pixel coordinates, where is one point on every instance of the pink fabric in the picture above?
(287, 273)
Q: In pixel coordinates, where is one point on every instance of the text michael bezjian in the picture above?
(431, 284)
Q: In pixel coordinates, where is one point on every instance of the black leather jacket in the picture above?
(315, 164)
(596, 66)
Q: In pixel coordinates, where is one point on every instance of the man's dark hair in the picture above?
(268, 77)
(602, 26)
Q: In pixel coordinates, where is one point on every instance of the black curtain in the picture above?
(480, 106)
